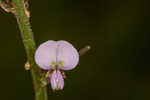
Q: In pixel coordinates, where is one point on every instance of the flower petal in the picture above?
(67, 55)
(45, 55)
(57, 81)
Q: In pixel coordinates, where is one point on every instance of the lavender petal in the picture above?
(57, 81)
(45, 55)
(67, 54)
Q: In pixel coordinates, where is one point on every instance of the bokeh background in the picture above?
(116, 68)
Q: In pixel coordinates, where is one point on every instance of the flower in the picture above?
(57, 56)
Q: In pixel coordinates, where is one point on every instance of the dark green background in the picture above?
(116, 68)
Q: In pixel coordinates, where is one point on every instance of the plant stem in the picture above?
(27, 37)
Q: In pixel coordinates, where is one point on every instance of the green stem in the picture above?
(27, 37)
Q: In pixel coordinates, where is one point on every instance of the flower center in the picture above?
(59, 65)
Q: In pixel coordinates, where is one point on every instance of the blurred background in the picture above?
(116, 68)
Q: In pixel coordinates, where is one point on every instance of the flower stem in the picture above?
(27, 37)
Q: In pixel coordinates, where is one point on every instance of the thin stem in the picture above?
(27, 37)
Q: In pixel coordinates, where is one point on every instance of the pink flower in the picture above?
(57, 56)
